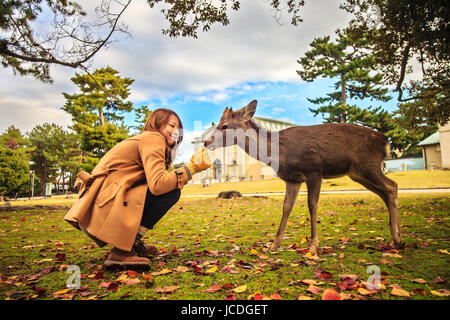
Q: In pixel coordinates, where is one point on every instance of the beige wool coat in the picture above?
(111, 199)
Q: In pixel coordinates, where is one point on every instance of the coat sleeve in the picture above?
(152, 148)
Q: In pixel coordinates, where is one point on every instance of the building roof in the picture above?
(433, 139)
(273, 120)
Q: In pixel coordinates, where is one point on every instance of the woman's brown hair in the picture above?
(156, 121)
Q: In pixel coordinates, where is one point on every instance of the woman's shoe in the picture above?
(119, 257)
(143, 250)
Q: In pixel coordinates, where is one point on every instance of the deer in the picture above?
(309, 154)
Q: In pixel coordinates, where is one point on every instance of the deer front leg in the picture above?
(313, 183)
(288, 204)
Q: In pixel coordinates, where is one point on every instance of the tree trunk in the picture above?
(343, 116)
(102, 119)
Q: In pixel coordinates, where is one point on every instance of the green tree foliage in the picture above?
(14, 166)
(13, 138)
(14, 172)
(349, 61)
(403, 32)
(98, 112)
(187, 17)
(46, 141)
(141, 115)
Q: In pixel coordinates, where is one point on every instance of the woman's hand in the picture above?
(199, 161)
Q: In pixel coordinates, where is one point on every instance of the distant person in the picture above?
(131, 189)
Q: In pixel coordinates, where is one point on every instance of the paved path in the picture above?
(424, 190)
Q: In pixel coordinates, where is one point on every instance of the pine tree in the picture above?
(97, 112)
(349, 61)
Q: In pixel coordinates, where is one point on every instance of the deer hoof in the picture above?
(399, 245)
(273, 248)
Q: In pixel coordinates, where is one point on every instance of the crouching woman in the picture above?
(131, 189)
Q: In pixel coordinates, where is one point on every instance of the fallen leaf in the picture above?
(211, 270)
(419, 291)
(166, 289)
(399, 292)
(330, 294)
(419, 280)
(230, 297)
(366, 292)
(441, 292)
(227, 286)
(302, 297)
(258, 296)
(132, 273)
(213, 288)
(309, 281)
(132, 281)
(240, 289)
(147, 276)
(181, 269)
(348, 276)
(443, 251)
(162, 272)
(392, 255)
(313, 289)
(275, 296)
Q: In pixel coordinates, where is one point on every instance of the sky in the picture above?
(254, 57)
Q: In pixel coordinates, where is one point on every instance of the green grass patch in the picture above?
(214, 249)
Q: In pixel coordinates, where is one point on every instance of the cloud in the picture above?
(248, 56)
(277, 110)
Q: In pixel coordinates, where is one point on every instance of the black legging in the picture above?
(156, 207)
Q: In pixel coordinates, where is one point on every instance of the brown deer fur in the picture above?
(310, 153)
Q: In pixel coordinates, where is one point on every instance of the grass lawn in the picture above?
(218, 249)
(408, 179)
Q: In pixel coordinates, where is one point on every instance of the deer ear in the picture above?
(250, 109)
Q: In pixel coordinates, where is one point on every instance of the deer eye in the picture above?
(224, 127)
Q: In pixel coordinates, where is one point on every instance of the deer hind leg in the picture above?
(386, 188)
(313, 183)
(289, 201)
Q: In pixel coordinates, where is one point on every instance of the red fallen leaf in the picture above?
(227, 286)
(132, 273)
(47, 270)
(39, 290)
(330, 294)
(323, 275)
(419, 291)
(113, 286)
(98, 275)
(110, 286)
(314, 289)
(230, 297)
(213, 288)
(147, 276)
(60, 257)
(160, 265)
(258, 296)
(349, 276)
(275, 296)
(23, 219)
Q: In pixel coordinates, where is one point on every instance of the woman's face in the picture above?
(171, 130)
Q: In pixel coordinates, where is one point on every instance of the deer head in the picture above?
(231, 120)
